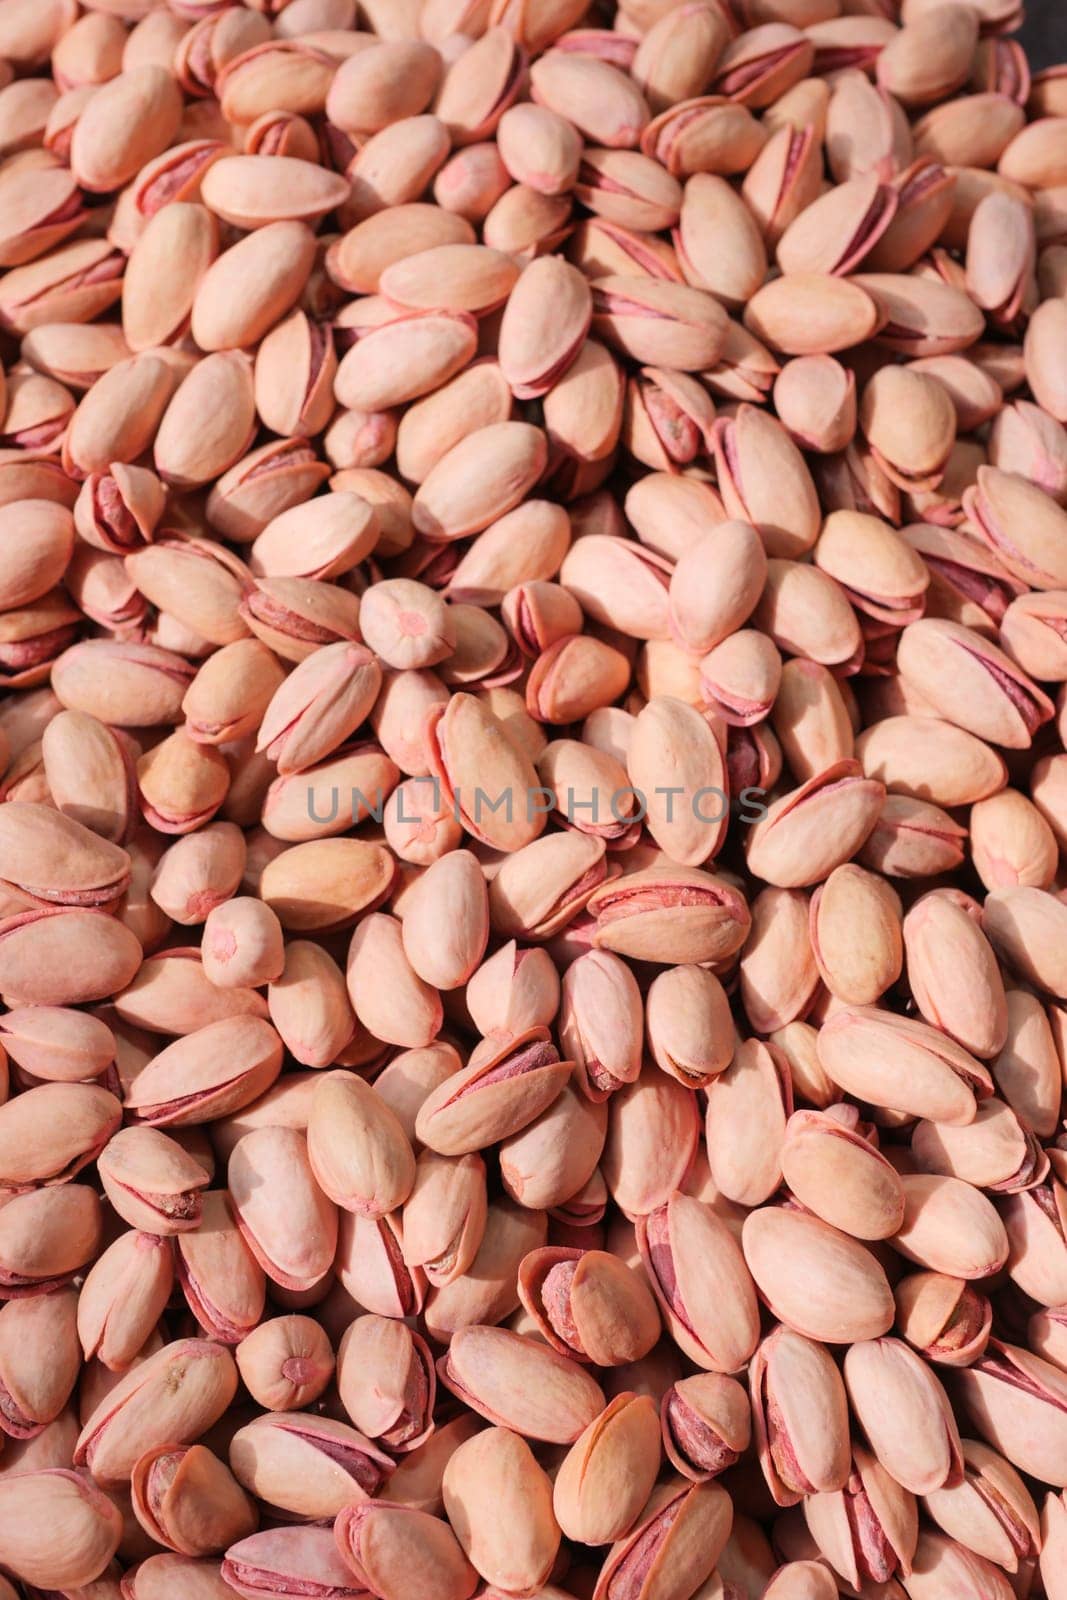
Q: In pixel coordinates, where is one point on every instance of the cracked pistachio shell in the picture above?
(520, 1383)
(659, 322)
(445, 1215)
(123, 1297)
(901, 1063)
(944, 1318)
(543, 326)
(608, 1473)
(504, 1087)
(277, 1559)
(53, 860)
(189, 1501)
(705, 1424)
(151, 1181)
(942, 1564)
(670, 915)
(305, 1465)
(1018, 1405)
(550, 1161)
(211, 1072)
(685, 1526)
(322, 702)
(689, 1027)
(972, 683)
(172, 1398)
(294, 1245)
(589, 1304)
(39, 1360)
(841, 1176)
(991, 1512)
(764, 481)
(223, 1283)
(390, 1547)
(799, 1417)
(690, 1255)
(806, 834)
(387, 1382)
(905, 1414)
(890, 1528)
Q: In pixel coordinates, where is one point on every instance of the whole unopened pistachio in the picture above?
(516, 1547)
(57, 1498)
(819, 1281)
(357, 1149)
(285, 1362)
